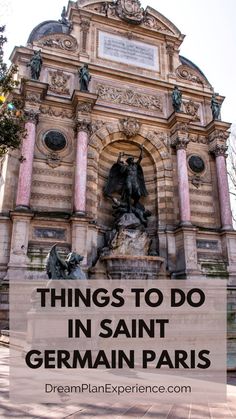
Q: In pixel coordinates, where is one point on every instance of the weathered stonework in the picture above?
(128, 105)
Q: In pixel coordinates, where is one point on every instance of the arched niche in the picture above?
(104, 147)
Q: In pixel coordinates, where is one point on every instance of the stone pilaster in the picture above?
(19, 244)
(84, 31)
(26, 161)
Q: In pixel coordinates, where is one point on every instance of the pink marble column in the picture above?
(223, 187)
(183, 187)
(26, 165)
(81, 167)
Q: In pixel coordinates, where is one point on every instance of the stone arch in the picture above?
(103, 149)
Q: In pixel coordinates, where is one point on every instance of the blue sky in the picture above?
(209, 27)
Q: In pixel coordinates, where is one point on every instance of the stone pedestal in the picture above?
(133, 267)
(19, 245)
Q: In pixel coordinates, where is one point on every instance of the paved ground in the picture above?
(116, 411)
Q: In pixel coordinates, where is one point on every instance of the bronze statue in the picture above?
(84, 77)
(35, 65)
(176, 99)
(215, 107)
(57, 268)
(127, 179)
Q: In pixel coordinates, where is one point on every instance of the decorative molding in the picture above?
(59, 41)
(200, 139)
(52, 185)
(152, 23)
(130, 126)
(191, 108)
(48, 172)
(183, 72)
(219, 135)
(84, 107)
(182, 127)
(53, 160)
(59, 82)
(84, 26)
(33, 97)
(57, 198)
(58, 113)
(96, 125)
(129, 97)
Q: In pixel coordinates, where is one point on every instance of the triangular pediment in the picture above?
(132, 12)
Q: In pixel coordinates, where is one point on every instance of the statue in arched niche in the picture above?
(127, 180)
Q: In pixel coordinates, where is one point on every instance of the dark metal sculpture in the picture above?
(84, 78)
(126, 178)
(58, 268)
(176, 99)
(215, 107)
(35, 65)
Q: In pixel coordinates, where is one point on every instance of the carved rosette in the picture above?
(130, 126)
(31, 115)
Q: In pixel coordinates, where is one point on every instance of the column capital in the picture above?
(180, 142)
(84, 126)
(31, 115)
(219, 150)
(83, 103)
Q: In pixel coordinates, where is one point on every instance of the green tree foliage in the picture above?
(11, 117)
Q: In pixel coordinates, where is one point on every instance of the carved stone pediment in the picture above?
(184, 72)
(132, 12)
(58, 41)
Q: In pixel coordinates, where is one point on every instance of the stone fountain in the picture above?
(128, 253)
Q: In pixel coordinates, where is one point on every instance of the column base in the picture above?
(22, 208)
(228, 227)
(185, 224)
(80, 213)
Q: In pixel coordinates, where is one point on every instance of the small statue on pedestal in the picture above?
(215, 107)
(84, 78)
(35, 65)
(176, 99)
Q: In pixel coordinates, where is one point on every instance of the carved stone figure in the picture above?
(131, 126)
(57, 268)
(35, 65)
(84, 77)
(176, 99)
(127, 179)
(215, 107)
